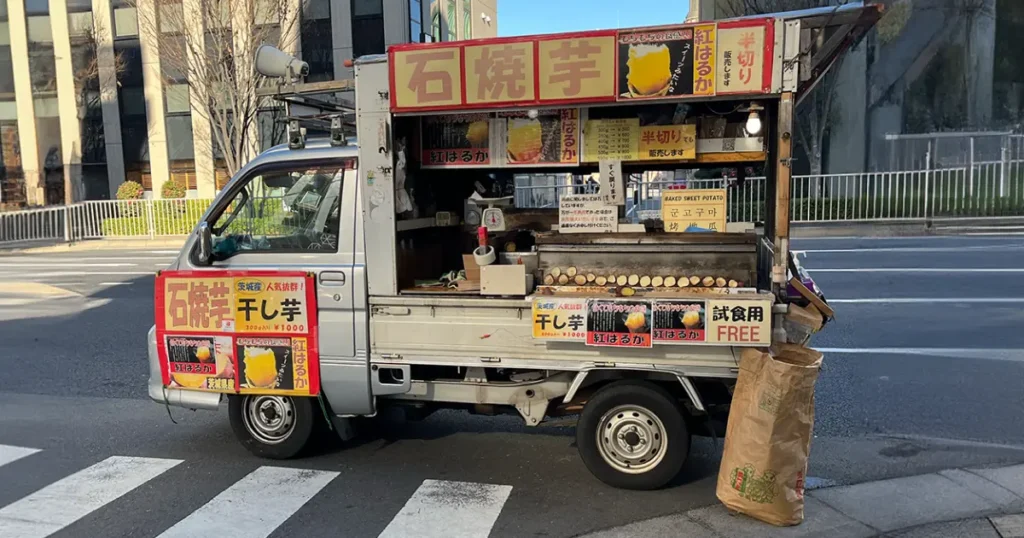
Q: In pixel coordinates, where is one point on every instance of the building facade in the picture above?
(83, 91)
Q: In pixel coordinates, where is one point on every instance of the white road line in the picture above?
(114, 283)
(255, 505)
(87, 259)
(10, 453)
(930, 300)
(62, 503)
(1012, 246)
(444, 509)
(63, 274)
(920, 270)
(1012, 355)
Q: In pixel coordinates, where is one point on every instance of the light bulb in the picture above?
(753, 123)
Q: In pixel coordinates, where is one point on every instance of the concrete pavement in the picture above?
(975, 503)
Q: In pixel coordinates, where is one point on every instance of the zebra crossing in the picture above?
(253, 506)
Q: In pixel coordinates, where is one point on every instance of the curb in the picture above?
(986, 499)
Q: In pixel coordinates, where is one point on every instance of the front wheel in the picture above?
(275, 427)
(632, 435)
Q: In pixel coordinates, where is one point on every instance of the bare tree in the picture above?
(816, 116)
(210, 45)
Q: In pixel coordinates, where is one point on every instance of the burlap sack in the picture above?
(768, 439)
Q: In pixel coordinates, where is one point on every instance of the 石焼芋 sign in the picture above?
(679, 62)
(238, 331)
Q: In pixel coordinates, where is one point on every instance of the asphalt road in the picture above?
(924, 368)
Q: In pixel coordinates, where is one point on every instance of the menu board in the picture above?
(701, 208)
(614, 323)
(617, 139)
(456, 140)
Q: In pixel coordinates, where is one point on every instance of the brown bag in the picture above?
(768, 438)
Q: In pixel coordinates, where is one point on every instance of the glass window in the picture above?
(415, 21)
(37, 7)
(318, 47)
(179, 138)
(367, 36)
(452, 20)
(467, 20)
(288, 211)
(172, 18)
(177, 98)
(39, 29)
(435, 23)
(126, 22)
(364, 8)
(80, 24)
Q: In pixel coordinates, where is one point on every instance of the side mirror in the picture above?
(205, 244)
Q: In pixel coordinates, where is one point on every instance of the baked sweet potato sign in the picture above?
(248, 332)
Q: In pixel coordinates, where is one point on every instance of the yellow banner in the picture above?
(740, 322)
(703, 208)
(229, 305)
(500, 73)
(577, 68)
(612, 140)
(704, 60)
(560, 319)
(668, 142)
(427, 77)
(740, 59)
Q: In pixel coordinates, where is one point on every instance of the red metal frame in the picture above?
(312, 335)
(769, 50)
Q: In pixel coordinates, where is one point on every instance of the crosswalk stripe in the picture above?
(10, 453)
(255, 505)
(62, 503)
(444, 509)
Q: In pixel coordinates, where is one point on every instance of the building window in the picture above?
(126, 22)
(467, 19)
(435, 20)
(415, 21)
(452, 18)
(317, 40)
(367, 27)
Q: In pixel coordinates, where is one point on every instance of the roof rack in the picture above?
(319, 106)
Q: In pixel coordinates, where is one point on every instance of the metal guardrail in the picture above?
(985, 189)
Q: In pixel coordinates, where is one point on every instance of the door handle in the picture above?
(332, 278)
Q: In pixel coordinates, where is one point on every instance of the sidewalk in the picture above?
(968, 503)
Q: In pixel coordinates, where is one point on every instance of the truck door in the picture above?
(302, 216)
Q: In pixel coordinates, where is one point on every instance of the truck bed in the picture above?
(481, 331)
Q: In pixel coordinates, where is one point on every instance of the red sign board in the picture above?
(249, 332)
(659, 63)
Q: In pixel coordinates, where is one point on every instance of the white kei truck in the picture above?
(368, 219)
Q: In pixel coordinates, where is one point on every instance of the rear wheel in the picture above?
(275, 427)
(631, 434)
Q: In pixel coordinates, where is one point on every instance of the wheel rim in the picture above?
(269, 419)
(631, 439)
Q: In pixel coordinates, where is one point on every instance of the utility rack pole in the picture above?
(317, 106)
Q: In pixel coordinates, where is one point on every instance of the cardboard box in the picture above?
(505, 280)
(472, 269)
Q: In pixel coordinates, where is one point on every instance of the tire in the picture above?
(652, 440)
(274, 427)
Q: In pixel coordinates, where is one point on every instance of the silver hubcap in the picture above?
(631, 439)
(269, 419)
